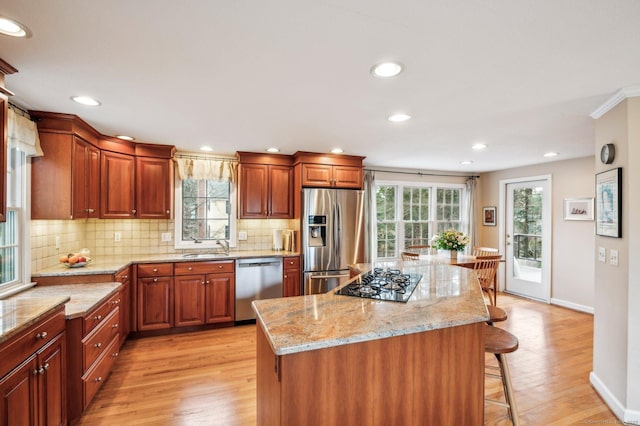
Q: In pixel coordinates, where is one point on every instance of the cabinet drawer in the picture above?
(95, 343)
(188, 268)
(95, 377)
(92, 319)
(155, 270)
(291, 262)
(22, 346)
(123, 275)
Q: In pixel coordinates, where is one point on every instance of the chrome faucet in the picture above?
(196, 241)
(224, 244)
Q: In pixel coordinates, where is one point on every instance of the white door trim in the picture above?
(546, 232)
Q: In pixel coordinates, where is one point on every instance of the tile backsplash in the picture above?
(137, 237)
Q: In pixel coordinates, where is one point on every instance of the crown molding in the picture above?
(627, 92)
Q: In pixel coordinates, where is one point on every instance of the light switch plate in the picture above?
(166, 236)
(613, 257)
(117, 236)
(242, 235)
(602, 254)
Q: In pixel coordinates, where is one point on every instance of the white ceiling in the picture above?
(521, 76)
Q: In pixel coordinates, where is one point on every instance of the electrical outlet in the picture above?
(613, 257)
(166, 236)
(57, 242)
(242, 236)
(117, 236)
(602, 254)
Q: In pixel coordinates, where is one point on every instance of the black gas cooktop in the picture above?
(383, 284)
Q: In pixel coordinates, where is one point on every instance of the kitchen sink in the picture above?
(204, 255)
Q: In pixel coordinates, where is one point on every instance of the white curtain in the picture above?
(203, 168)
(369, 222)
(22, 134)
(472, 208)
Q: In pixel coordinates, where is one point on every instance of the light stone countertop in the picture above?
(446, 296)
(81, 297)
(113, 264)
(16, 315)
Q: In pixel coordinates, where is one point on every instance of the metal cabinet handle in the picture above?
(97, 345)
(155, 269)
(220, 266)
(97, 317)
(114, 325)
(155, 280)
(90, 210)
(42, 335)
(46, 366)
(190, 268)
(168, 212)
(98, 379)
(115, 354)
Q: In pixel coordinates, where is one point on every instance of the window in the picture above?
(14, 238)
(205, 213)
(409, 214)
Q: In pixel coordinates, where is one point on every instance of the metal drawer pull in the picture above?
(98, 379)
(115, 354)
(46, 366)
(114, 325)
(97, 345)
(42, 335)
(155, 269)
(97, 317)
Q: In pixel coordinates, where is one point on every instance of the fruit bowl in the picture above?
(75, 265)
(74, 260)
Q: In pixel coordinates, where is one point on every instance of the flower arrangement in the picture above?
(451, 240)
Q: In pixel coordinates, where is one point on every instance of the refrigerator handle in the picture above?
(338, 229)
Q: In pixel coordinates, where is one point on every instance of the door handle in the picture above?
(319, 277)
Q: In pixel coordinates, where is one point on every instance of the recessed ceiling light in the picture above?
(273, 149)
(386, 69)
(551, 154)
(125, 137)
(398, 118)
(206, 148)
(337, 150)
(13, 28)
(86, 100)
(466, 162)
(479, 146)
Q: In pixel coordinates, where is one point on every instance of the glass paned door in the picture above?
(527, 245)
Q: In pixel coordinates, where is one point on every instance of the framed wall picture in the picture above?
(578, 209)
(609, 203)
(489, 216)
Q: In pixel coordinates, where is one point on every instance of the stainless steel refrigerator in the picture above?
(332, 236)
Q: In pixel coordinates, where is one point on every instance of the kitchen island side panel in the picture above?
(432, 377)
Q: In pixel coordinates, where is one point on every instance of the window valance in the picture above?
(202, 168)
(22, 134)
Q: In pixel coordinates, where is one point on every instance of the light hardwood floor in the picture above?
(208, 378)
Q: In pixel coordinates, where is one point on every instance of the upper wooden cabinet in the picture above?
(265, 186)
(84, 174)
(66, 180)
(5, 69)
(329, 170)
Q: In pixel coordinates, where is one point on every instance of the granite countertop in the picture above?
(16, 315)
(113, 264)
(81, 298)
(446, 296)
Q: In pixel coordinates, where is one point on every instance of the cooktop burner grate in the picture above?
(383, 284)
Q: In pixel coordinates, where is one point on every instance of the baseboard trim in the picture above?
(571, 305)
(623, 414)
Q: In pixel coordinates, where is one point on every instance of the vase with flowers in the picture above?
(451, 240)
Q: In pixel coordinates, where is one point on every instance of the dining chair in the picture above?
(484, 251)
(486, 268)
(407, 255)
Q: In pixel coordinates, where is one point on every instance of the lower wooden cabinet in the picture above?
(291, 279)
(34, 391)
(125, 303)
(155, 303)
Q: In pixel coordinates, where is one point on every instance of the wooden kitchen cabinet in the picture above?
(291, 278)
(117, 186)
(65, 181)
(125, 302)
(33, 374)
(204, 292)
(328, 176)
(155, 298)
(265, 186)
(154, 188)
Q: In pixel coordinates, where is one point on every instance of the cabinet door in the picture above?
(347, 177)
(280, 192)
(220, 298)
(189, 300)
(117, 188)
(18, 391)
(3, 157)
(52, 388)
(154, 186)
(155, 307)
(253, 191)
(51, 191)
(317, 175)
(291, 282)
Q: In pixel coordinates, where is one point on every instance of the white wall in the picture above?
(572, 257)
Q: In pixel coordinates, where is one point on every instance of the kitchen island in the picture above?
(334, 359)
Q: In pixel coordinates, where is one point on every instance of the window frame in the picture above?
(400, 222)
(23, 235)
(205, 244)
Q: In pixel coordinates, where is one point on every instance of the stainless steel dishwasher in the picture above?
(259, 278)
